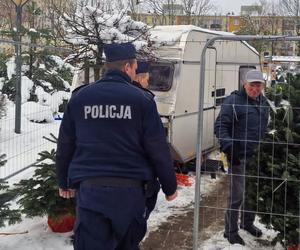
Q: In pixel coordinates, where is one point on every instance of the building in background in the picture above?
(251, 10)
(175, 9)
(249, 22)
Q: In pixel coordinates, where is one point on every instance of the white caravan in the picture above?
(175, 80)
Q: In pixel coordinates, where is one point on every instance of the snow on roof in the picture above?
(172, 33)
(286, 58)
(169, 34)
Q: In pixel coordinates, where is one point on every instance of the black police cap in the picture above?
(143, 67)
(119, 51)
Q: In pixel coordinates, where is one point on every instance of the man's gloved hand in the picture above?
(232, 155)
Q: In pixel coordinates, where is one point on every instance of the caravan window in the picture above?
(161, 76)
(220, 96)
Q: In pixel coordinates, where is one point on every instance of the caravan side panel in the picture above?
(185, 122)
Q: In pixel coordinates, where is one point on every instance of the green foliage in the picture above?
(6, 214)
(3, 101)
(44, 72)
(9, 88)
(38, 63)
(277, 162)
(51, 73)
(39, 194)
(3, 68)
(40, 75)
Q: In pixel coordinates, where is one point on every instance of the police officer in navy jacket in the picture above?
(111, 142)
(141, 80)
(142, 75)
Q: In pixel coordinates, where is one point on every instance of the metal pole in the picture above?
(200, 114)
(18, 98)
(199, 146)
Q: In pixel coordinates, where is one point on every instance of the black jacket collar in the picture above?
(137, 84)
(116, 75)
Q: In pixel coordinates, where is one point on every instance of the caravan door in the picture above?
(209, 100)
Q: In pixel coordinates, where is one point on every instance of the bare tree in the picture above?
(7, 14)
(50, 10)
(163, 9)
(292, 8)
(121, 5)
(265, 24)
(50, 17)
(130, 6)
(202, 7)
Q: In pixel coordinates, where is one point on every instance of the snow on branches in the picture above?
(90, 28)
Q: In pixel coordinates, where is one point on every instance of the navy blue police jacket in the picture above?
(242, 123)
(112, 128)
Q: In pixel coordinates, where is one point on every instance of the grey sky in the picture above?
(225, 6)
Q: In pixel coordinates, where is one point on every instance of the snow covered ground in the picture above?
(22, 149)
(37, 235)
(218, 242)
(40, 237)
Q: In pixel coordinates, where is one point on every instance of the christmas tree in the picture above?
(6, 214)
(273, 173)
(46, 78)
(39, 194)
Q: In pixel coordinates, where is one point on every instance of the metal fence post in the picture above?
(18, 98)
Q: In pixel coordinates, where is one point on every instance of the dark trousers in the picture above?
(152, 191)
(110, 218)
(237, 200)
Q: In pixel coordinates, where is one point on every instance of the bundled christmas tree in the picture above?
(39, 194)
(273, 174)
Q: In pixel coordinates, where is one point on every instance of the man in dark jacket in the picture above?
(240, 126)
(111, 142)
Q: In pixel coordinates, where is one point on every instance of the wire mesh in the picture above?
(41, 104)
(226, 63)
(267, 172)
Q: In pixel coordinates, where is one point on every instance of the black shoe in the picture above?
(253, 230)
(234, 238)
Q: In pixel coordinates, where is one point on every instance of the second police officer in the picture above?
(111, 141)
(141, 80)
